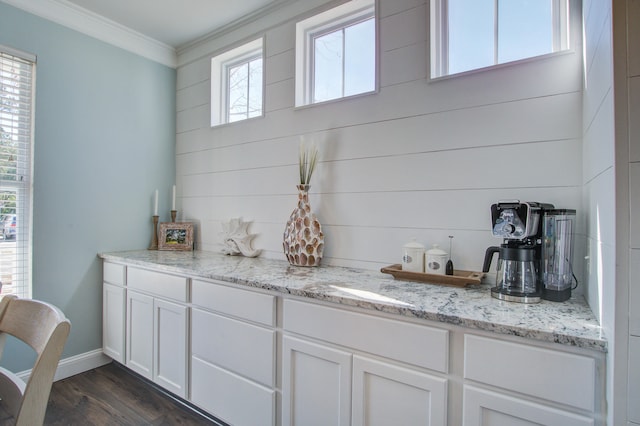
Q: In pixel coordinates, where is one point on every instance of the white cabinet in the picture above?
(113, 312)
(316, 384)
(233, 356)
(216, 345)
(140, 334)
(509, 383)
(387, 394)
(634, 378)
(486, 408)
(170, 346)
(341, 383)
(157, 328)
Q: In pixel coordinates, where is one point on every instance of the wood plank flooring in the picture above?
(112, 395)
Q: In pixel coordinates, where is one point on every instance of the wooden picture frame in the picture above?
(175, 236)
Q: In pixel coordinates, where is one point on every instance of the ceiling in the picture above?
(174, 22)
(154, 29)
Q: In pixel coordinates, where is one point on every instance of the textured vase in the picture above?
(303, 241)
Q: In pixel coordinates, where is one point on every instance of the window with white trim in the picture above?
(336, 53)
(237, 83)
(17, 74)
(473, 34)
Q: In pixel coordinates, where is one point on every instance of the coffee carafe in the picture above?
(519, 225)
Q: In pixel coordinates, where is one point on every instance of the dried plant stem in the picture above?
(308, 160)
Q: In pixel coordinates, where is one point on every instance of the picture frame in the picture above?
(175, 236)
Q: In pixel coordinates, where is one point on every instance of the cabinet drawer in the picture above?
(232, 398)
(411, 343)
(244, 304)
(556, 376)
(113, 273)
(243, 348)
(157, 283)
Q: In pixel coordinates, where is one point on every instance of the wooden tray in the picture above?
(459, 278)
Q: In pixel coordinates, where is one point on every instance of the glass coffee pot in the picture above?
(516, 273)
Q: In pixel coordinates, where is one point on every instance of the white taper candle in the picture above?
(155, 204)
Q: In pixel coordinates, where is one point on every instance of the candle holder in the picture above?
(173, 215)
(154, 237)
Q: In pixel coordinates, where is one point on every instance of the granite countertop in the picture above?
(569, 323)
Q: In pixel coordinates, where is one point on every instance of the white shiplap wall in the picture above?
(633, 129)
(599, 200)
(598, 160)
(418, 159)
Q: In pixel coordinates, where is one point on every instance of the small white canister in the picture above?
(435, 260)
(413, 256)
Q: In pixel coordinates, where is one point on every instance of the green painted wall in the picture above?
(104, 141)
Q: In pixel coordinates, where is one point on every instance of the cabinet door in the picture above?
(316, 384)
(113, 303)
(170, 346)
(634, 379)
(385, 394)
(230, 397)
(486, 408)
(139, 348)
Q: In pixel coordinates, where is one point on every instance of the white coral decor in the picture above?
(236, 239)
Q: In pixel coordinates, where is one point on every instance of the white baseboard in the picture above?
(76, 364)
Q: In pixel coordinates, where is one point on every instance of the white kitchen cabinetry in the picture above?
(316, 387)
(634, 379)
(157, 328)
(487, 408)
(140, 334)
(113, 311)
(233, 354)
(341, 383)
(387, 394)
(217, 346)
(510, 383)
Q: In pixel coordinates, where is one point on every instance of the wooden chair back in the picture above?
(45, 329)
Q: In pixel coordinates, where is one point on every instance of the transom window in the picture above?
(473, 34)
(336, 53)
(237, 84)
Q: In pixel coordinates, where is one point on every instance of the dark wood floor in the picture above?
(111, 395)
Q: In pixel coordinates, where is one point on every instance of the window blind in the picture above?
(17, 73)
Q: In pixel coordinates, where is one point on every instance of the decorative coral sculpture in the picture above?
(236, 239)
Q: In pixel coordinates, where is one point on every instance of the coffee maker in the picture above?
(519, 224)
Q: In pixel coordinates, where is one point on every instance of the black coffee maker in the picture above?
(519, 224)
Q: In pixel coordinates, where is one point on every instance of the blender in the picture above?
(557, 253)
(519, 224)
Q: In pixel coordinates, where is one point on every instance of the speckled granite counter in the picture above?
(570, 323)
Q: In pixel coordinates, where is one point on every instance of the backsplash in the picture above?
(419, 159)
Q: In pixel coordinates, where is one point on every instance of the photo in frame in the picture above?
(175, 236)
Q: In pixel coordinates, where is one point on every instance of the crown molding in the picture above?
(77, 18)
(226, 36)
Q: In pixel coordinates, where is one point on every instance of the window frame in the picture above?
(439, 45)
(307, 30)
(21, 275)
(234, 63)
(220, 65)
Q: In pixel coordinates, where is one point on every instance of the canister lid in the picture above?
(413, 244)
(436, 251)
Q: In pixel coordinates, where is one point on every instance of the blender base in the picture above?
(556, 295)
(500, 293)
